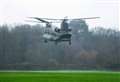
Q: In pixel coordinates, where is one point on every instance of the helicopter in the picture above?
(62, 34)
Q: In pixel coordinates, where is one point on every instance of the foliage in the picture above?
(22, 47)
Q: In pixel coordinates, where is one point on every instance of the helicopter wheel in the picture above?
(70, 42)
(45, 41)
(56, 42)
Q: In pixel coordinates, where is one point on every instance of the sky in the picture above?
(17, 11)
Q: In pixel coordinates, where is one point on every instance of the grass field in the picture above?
(59, 76)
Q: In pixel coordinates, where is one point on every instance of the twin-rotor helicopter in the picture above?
(62, 34)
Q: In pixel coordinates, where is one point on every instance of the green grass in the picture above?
(60, 76)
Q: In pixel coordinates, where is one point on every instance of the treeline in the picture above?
(22, 47)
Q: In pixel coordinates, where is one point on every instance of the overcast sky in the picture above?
(16, 11)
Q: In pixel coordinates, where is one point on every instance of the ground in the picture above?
(59, 76)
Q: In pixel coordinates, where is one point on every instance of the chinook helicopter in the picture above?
(57, 35)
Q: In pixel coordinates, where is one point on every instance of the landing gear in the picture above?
(45, 41)
(56, 42)
(69, 42)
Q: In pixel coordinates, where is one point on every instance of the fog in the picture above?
(16, 11)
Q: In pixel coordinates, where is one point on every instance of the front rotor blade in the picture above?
(39, 19)
(34, 21)
(51, 19)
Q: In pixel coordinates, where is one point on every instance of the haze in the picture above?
(16, 11)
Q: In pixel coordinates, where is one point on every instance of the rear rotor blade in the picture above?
(86, 18)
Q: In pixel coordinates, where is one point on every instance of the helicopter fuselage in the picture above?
(57, 37)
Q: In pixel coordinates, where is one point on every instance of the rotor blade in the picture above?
(51, 19)
(39, 19)
(71, 18)
(34, 21)
(86, 18)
